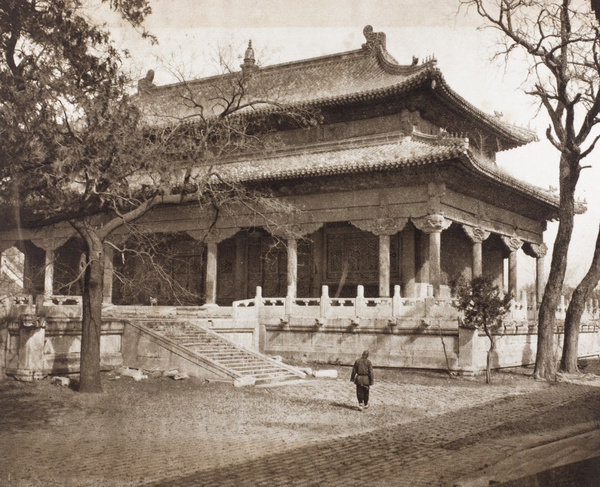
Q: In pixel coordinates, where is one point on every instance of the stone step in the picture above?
(220, 351)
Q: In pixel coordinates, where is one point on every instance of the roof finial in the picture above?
(249, 61)
(374, 39)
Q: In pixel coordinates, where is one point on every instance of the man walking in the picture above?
(362, 376)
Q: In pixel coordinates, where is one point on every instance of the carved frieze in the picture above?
(381, 226)
(431, 223)
(512, 243)
(476, 234)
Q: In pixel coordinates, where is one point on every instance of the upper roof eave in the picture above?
(392, 78)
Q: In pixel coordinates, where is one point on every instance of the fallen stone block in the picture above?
(244, 381)
(325, 374)
(181, 376)
(135, 374)
(60, 381)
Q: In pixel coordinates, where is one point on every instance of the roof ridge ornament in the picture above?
(249, 60)
(374, 39)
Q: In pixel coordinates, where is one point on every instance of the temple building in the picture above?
(397, 185)
(397, 194)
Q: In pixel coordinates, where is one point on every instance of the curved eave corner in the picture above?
(544, 196)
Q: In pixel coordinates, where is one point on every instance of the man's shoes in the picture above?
(360, 406)
(366, 406)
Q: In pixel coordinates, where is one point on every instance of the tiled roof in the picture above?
(363, 74)
(370, 154)
(357, 155)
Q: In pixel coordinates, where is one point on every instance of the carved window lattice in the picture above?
(353, 255)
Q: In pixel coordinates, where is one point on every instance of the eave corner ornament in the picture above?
(374, 39)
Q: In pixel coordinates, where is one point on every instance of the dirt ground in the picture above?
(161, 430)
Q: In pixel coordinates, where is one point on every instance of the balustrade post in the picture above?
(359, 303)
(324, 305)
(396, 302)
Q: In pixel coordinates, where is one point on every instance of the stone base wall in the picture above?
(35, 344)
(459, 350)
(408, 348)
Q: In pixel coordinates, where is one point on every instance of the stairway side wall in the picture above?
(148, 351)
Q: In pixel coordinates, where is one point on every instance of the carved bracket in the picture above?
(512, 243)
(476, 234)
(381, 226)
(538, 250)
(49, 243)
(431, 223)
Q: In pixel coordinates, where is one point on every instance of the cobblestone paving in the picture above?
(306, 434)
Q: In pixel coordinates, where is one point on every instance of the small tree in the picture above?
(483, 307)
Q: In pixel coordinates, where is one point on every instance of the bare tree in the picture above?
(78, 148)
(560, 39)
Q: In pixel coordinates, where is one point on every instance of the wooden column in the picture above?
(408, 262)
(211, 273)
(292, 266)
(513, 244)
(49, 273)
(539, 250)
(384, 228)
(477, 236)
(211, 241)
(433, 225)
(49, 245)
(384, 266)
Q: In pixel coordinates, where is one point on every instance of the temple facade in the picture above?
(396, 192)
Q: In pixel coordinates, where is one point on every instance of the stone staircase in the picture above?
(241, 363)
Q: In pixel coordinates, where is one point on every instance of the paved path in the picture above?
(306, 434)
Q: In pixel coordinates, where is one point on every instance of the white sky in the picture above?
(190, 32)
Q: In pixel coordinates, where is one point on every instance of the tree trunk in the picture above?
(576, 307)
(545, 361)
(488, 364)
(91, 321)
